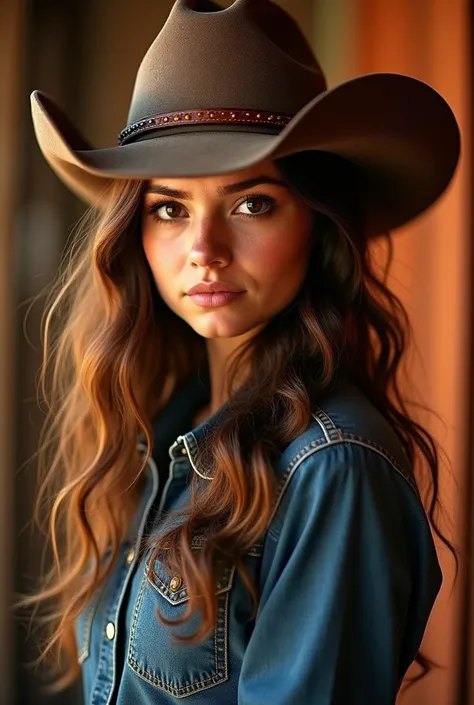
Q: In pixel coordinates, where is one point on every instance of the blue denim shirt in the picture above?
(347, 575)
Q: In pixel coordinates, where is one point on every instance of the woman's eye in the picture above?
(166, 211)
(256, 206)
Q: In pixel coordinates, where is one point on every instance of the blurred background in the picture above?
(86, 55)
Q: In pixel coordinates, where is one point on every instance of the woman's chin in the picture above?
(222, 328)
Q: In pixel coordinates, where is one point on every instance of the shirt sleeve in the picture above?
(349, 577)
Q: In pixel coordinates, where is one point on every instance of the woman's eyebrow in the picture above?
(222, 191)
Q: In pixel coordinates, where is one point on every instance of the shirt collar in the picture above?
(170, 428)
(197, 393)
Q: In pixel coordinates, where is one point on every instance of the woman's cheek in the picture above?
(160, 267)
(276, 255)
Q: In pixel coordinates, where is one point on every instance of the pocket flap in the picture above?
(173, 588)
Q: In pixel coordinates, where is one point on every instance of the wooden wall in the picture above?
(432, 274)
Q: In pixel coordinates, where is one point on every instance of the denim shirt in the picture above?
(347, 574)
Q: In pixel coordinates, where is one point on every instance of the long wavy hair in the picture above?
(113, 355)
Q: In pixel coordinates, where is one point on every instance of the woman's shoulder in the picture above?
(345, 488)
(349, 539)
(346, 415)
(349, 448)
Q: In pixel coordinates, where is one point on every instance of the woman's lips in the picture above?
(213, 299)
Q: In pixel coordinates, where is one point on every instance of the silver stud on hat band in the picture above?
(214, 116)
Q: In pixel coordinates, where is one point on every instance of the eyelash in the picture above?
(153, 208)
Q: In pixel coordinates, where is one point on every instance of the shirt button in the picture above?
(130, 556)
(110, 630)
(183, 451)
(175, 583)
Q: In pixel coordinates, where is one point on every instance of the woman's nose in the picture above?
(210, 244)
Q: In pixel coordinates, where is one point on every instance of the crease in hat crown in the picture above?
(251, 38)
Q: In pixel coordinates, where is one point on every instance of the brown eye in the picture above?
(172, 210)
(166, 212)
(257, 206)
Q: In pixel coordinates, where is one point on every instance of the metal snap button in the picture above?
(175, 583)
(183, 451)
(110, 630)
(130, 556)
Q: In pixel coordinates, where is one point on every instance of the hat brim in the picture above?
(399, 131)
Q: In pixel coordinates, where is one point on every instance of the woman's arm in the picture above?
(349, 577)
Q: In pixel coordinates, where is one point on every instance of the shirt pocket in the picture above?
(178, 669)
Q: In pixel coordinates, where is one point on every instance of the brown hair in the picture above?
(109, 368)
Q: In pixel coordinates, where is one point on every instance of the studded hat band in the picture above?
(216, 116)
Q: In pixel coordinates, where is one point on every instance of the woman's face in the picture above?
(247, 231)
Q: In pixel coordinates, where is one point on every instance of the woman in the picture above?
(237, 516)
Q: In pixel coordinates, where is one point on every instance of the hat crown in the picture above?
(250, 55)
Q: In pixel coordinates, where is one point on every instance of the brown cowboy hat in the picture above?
(222, 89)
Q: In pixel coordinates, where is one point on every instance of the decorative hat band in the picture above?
(216, 116)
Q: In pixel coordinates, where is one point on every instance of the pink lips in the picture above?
(213, 299)
(212, 294)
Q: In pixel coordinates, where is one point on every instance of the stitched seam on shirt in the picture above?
(184, 690)
(103, 658)
(163, 589)
(136, 610)
(176, 692)
(330, 430)
(189, 689)
(294, 462)
(225, 675)
(128, 571)
(317, 445)
(198, 541)
(373, 445)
